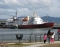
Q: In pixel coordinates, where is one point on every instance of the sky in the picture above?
(42, 8)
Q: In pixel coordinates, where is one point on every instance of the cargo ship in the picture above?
(28, 23)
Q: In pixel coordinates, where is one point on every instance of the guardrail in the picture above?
(25, 38)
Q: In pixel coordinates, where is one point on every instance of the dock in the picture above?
(56, 26)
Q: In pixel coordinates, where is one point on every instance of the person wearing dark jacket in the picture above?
(49, 35)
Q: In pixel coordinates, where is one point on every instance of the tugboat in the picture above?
(11, 23)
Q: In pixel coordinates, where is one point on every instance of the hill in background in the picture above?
(45, 18)
(51, 19)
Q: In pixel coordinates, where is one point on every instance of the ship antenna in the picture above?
(16, 13)
(34, 14)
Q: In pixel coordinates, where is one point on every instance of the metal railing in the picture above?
(26, 38)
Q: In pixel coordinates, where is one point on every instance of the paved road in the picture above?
(40, 44)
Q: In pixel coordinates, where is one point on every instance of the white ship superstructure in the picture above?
(24, 21)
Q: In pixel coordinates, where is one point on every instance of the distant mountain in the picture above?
(2, 19)
(45, 18)
(51, 19)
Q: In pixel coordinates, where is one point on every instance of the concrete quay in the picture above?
(37, 44)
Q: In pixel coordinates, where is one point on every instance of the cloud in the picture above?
(42, 7)
(9, 1)
(26, 3)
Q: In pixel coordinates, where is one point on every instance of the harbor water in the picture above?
(25, 31)
(10, 34)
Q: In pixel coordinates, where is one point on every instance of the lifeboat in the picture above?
(25, 19)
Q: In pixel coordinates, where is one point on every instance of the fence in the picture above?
(26, 38)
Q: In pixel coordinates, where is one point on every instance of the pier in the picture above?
(56, 26)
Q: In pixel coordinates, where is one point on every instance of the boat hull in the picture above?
(45, 25)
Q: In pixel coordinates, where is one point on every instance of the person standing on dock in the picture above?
(52, 37)
(49, 35)
(45, 37)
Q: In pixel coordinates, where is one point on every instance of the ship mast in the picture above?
(34, 14)
(16, 13)
(15, 17)
(47, 17)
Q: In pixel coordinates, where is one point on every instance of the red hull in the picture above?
(45, 25)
